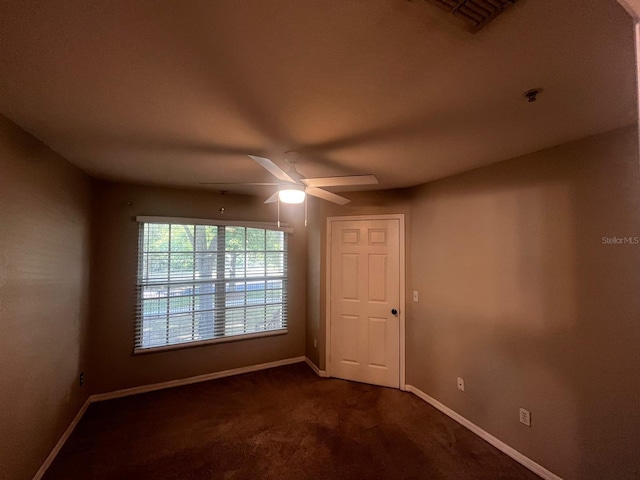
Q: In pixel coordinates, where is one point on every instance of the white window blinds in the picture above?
(206, 283)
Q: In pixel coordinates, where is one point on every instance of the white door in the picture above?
(365, 295)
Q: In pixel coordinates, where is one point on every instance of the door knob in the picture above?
(394, 311)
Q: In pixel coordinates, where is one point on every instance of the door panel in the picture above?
(377, 347)
(377, 273)
(349, 352)
(350, 276)
(365, 287)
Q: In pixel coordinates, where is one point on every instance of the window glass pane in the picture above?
(234, 238)
(204, 296)
(255, 293)
(180, 299)
(255, 264)
(143, 267)
(235, 322)
(255, 319)
(158, 237)
(205, 265)
(203, 323)
(154, 331)
(180, 328)
(274, 296)
(234, 265)
(144, 237)
(182, 238)
(182, 267)
(275, 264)
(156, 267)
(255, 239)
(275, 240)
(154, 302)
(274, 316)
(206, 238)
(235, 294)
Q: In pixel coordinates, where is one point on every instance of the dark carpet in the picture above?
(283, 423)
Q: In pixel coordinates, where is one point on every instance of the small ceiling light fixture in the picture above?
(532, 95)
(291, 194)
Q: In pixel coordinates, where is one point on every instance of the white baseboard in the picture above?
(52, 455)
(503, 447)
(189, 380)
(150, 388)
(320, 373)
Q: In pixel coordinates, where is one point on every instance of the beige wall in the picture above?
(519, 296)
(44, 268)
(314, 270)
(113, 295)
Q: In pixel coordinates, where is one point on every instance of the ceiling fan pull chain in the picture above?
(305, 210)
(278, 211)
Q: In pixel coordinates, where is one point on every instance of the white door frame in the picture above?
(401, 314)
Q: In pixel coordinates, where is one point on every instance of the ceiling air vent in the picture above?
(473, 14)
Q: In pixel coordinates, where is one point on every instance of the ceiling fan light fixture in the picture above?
(291, 194)
(294, 187)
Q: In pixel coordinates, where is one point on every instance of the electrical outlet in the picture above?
(525, 417)
(81, 378)
(460, 384)
(415, 296)
(315, 343)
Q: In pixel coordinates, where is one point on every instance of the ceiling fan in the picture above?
(293, 186)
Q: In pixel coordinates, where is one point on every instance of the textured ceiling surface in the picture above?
(177, 93)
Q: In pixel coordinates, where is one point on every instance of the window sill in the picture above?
(212, 341)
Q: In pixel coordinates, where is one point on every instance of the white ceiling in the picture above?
(177, 93)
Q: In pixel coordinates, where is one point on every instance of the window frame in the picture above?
(138, 349)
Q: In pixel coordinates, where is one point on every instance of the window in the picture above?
(208, 283)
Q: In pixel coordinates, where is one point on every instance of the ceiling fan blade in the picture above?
(323, 194)
(272, 168)
(347, 180)
(259, 184)
(272, 198)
